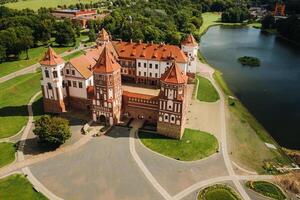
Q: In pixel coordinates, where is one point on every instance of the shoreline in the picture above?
(240, 110)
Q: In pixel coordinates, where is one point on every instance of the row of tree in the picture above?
(289, 28)
(21, 30)
(235, 15)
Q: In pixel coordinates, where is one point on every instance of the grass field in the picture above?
(73, 55)
(218, 192)
(194, 145)
(14, 96)
(7, 152)
(35, 55)
(36, 4)
(214, 18)
(267, 189)
(206, 91)
(17, 187)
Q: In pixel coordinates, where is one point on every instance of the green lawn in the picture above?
(214, 18)
(206, 91)
(35, 55)
(17, 187)
(14, 96)
(194, 144)
(36, 4)
(7, 152)
(218, 192)
(267, 189)
(37, 107)
(73, 55)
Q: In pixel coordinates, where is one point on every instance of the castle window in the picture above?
(150, 74)
(55, 74)
(47, 73)
(80, 84)
(155, 75)
(145, 74)
(145, 65)
(139, 73)
(49, 86)
(67, 71)
(156, 66)
(74, 84)
(73, 72)
(150, 66)
(69, 83)
(139, 64)
(172, 119)
(166, 118)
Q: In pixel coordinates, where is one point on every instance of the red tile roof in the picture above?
(174, 75)
(149, 51)
(83, 65)
(51, 58)
(189, 41)
(103, 35)
(106, 62)
(139, 95)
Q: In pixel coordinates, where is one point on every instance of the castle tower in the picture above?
(279, 9)
(107, 88)
(103, 37)
(172, 103)
(190, 47)
(52, 82)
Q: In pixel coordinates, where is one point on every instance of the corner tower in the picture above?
(190, 47)
(172, 103)
(103, 37)
(107, 88)
(52, 82)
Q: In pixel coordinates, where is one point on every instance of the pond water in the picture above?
(272, 91)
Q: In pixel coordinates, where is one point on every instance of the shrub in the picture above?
(53, 131)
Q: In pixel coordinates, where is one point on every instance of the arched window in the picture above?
(46, 73)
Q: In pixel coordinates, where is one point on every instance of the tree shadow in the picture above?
(33, 146)
(14, 111)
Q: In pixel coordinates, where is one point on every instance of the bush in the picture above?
(251, 61)
(53, 131)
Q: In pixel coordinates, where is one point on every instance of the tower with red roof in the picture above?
(54, 92)
(172, 102)
(107, 88)
(190, 47)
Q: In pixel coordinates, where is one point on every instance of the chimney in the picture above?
(140, 41)
(152, 42)
(130, 41)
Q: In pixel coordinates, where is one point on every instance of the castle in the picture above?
(93, 82)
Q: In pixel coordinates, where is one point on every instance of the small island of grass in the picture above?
(219, 192)
(194, 145)
(250, 61)
(267, 189)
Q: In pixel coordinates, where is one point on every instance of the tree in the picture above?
(52, 131)
(92, 35)
(2, 53)
(268, 22)
(25, 39)
(65, 34)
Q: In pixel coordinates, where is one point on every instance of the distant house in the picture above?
(81, 16)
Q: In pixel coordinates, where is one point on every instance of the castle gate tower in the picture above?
(107, 88)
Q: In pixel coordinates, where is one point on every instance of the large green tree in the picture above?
(53, 131)
(65, 34)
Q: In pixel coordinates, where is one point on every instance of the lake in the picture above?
(271, 92)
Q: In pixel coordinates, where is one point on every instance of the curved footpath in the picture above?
(22, 164)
